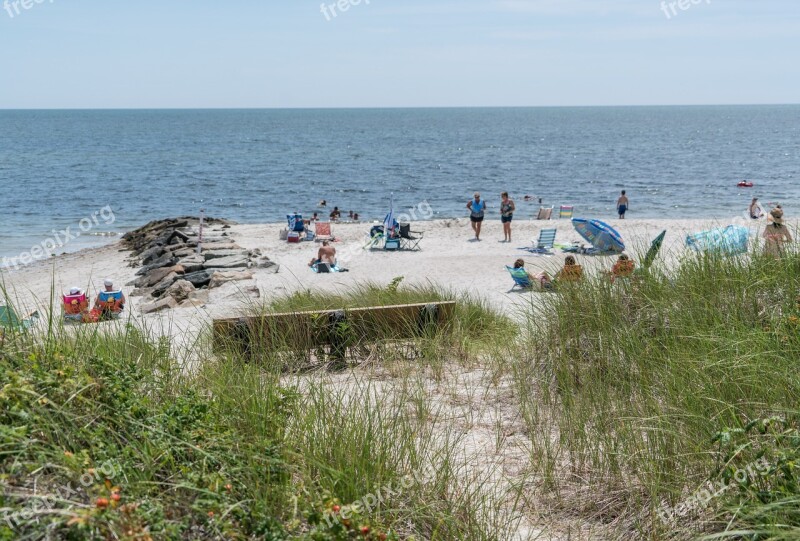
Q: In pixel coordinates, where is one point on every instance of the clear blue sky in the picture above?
(397, 53)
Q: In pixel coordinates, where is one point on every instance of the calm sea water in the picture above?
(59, 167)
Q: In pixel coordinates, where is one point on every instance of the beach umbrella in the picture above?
(731, 240)
(654, 249)
(601, 235)
(389, 221)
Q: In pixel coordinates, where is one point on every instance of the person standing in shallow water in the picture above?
(477, 209)
(622, 205)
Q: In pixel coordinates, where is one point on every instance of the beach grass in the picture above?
(105, 435)
(632, 382)
(664, 406)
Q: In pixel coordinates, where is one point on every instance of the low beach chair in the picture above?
(566, 211)
(322, 231)
(545, 213)
(74, 306)
(296, 223)
(408, 240)
(544, 246)
(112, 303)
(10, 321)
(520, 277)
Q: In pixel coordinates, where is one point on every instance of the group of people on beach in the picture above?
(624, 267)
(109, 304)
(335, 215)
(477, 208)
(477, 212)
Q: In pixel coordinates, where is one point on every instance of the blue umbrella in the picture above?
(731, 240)
(601, 235)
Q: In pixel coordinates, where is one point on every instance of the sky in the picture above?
(396, 53)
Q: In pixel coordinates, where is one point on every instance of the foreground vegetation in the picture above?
(103, 436)
(661, 407)
(661, 388)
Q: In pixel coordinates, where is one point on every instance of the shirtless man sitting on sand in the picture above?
(326, 254)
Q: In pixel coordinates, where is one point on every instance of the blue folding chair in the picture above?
(520, 277)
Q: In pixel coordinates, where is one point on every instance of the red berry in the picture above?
(102, 503)
(336, 508)
(365, 530)
(115, 496)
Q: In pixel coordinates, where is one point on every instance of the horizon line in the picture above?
(400, 107)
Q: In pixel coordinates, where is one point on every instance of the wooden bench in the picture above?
(335, 330)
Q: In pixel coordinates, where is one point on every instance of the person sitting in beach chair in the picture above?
(525, 280)
(76, 304)
(572, 272)
(109, 303)
(623, 268)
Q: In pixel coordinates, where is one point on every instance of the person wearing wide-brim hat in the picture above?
(776, 234)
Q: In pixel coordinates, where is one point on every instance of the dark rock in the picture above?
(200, 278)
(165, 283)
(163, 261)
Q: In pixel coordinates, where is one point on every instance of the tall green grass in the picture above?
(232, 449)
(631, 381)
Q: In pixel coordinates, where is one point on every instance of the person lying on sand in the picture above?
(572, 272)
(542, 278)
(326, 254)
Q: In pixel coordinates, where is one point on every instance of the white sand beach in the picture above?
(447, 257)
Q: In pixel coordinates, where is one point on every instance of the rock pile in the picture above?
(175, 273)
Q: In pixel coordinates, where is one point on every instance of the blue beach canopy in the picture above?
(729, 240)
(601, 235)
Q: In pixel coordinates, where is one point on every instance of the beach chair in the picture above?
(322, 231)
(545, 213)
(566, 211)
(408, 240)
(10, 321)
(296, 223)
(111, 303)
(74, 306)
(547, 239)
(520, 277)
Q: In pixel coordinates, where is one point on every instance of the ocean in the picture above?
(101, 173)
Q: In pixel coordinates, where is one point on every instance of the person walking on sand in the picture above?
(507, 208)
(477, 210)
(622, 205)
(776, 234)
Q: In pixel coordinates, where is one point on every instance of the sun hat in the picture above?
(74, 291)
(108, 282)
(777, 215)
